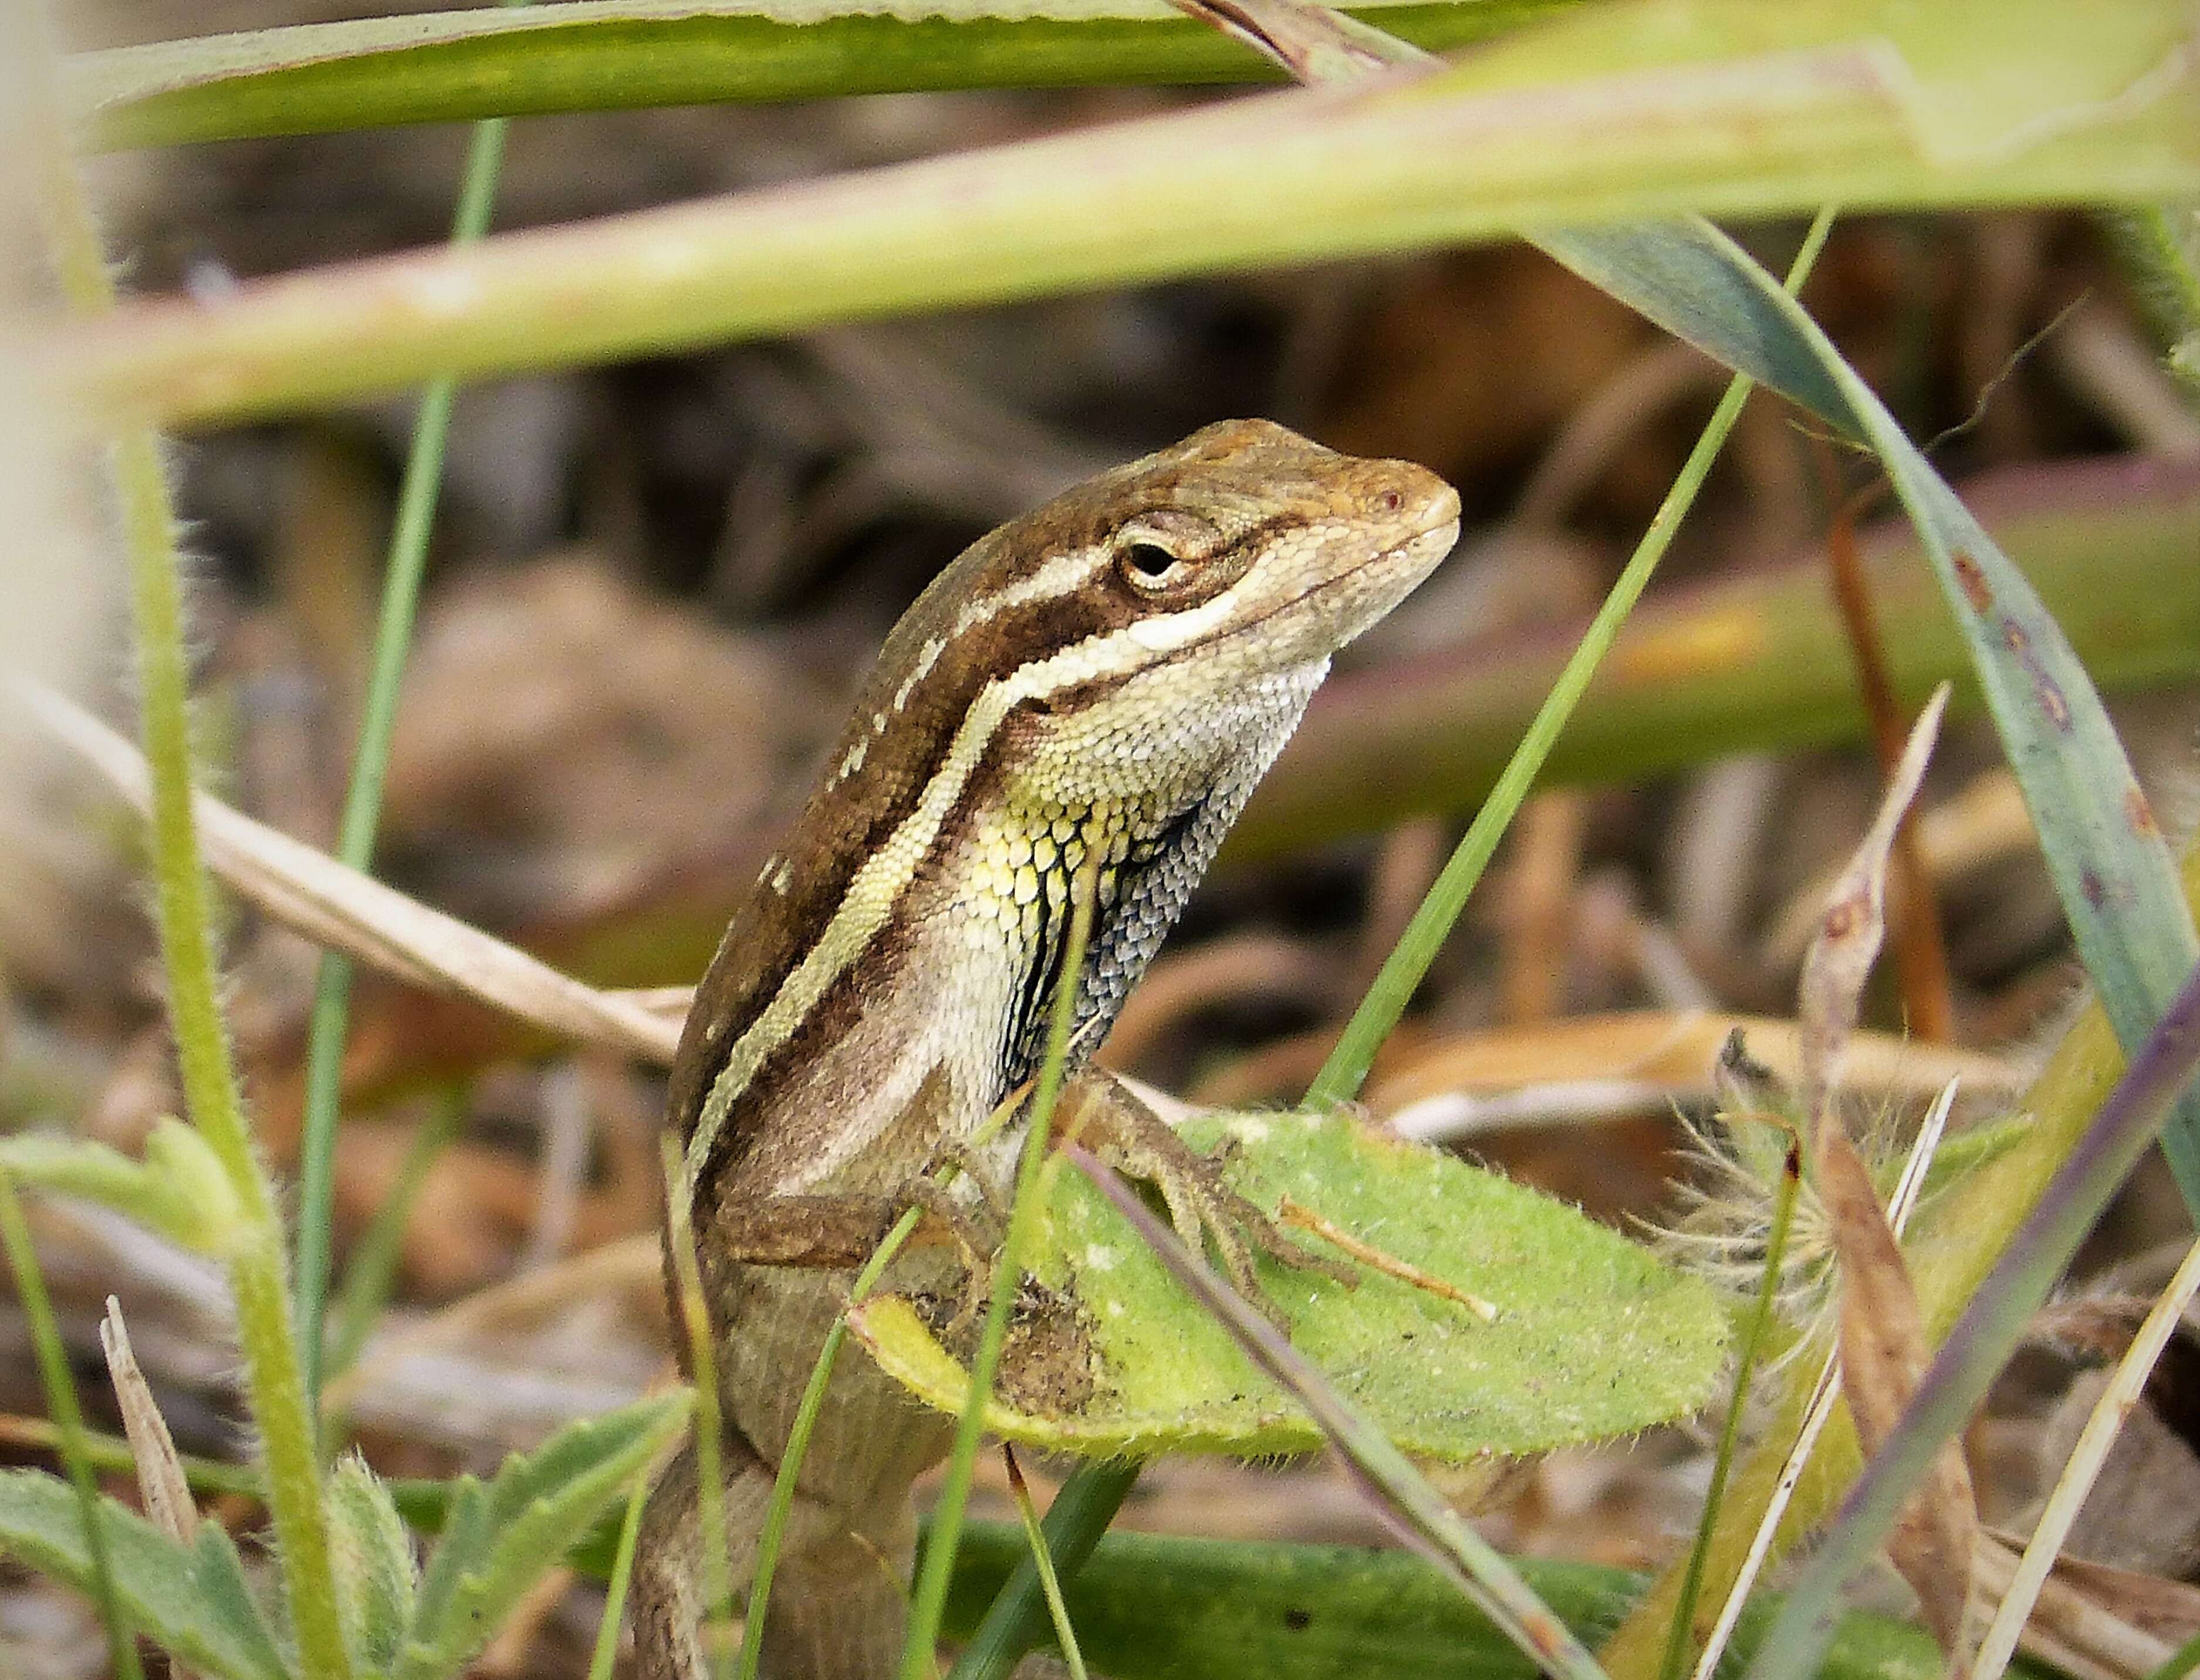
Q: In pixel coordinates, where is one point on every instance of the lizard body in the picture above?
(1114, 672)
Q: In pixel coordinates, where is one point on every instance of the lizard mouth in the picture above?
(1443, 522)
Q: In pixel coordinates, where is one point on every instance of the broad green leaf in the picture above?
(178, 1190)
(501, 1537)
(377, 1574)
(1607, 113)
(189, 1598)
(2112, 871)
(1593, 1337)
(1148, 1606)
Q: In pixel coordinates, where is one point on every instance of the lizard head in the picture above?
(1220, 572)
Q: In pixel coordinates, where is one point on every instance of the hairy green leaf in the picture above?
(178, 1190)
(377, 1576)
(1593, 1337)
(500, 1537)
(190, 1598)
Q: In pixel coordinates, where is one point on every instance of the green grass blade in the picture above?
(68, 1418)
(362, 810)
(691, 1324)
(374, 1262)
(2112, 871)
(919, 1658)
(1074, 1525)
(772, 1535)
(1395, 983)
(1680, 1636)
(605, 1656)
(1065, 1633)
(606, 54)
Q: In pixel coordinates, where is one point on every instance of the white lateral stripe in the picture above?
(879, 883)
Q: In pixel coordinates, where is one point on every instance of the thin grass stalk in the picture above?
(773, 1534)
(694, 1328)
(2182, 1661)
(373, 1265)
(605, 1656)
(1760, 1323)
(362, 811)
(919, 1660)
(68, 1421)
(105, 1452)
(2087, 1458)
(274, 1379)
(1400, 974)
(1086, 1504)
(1065, 1635)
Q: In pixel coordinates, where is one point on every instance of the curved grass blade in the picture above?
(1394, 985)
(2111, 869)
(362, 807)
(929, 1595)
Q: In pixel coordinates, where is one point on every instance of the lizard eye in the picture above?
(1148, 566)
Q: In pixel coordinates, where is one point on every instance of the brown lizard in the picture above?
(1116, 670)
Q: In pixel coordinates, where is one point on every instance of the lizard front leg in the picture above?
(1122, 1129)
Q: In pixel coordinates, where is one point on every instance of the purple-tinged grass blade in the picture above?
(2113, 873)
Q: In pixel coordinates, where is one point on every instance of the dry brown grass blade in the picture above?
(2093, 1620)
(339, 908)
(1883, 1346)
(1670, 1053)
(168, 1496)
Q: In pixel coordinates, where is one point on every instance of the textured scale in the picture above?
(1116, 670)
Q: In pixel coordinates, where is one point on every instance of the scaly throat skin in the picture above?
(1113, 672)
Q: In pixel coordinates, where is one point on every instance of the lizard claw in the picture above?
(1202, 1204)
